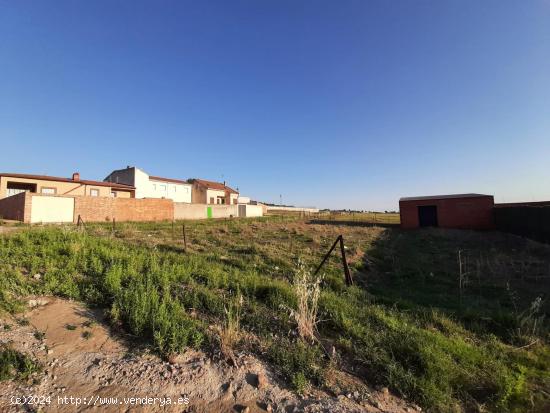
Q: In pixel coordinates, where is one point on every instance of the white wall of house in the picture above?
(141, 182)
(149, 188)
(214, 193)
(170, 190)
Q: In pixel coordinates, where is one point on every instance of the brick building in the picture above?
(464, 211)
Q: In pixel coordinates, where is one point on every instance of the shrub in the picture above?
(231, 329)
(299, 362)
(15, 365)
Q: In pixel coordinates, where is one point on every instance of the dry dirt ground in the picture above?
(83, 358)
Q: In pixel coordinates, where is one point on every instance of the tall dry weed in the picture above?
(308, 290)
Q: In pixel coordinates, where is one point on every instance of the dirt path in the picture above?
(83, 358)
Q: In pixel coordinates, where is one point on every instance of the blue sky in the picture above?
(341, 104)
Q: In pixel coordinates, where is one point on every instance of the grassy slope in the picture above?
(412, 331)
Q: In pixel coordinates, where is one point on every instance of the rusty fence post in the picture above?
(340, 239)
(184, 238)
(349, 280)
(80, 222)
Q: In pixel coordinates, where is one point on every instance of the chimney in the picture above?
(223, 183)
(76, 176)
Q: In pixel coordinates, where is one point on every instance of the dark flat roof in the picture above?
(423, 198)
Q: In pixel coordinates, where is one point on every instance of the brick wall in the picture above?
(462, 213)
(99, 209)
(149, 209)
(16, 207)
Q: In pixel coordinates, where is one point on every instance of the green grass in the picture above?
(404, 325)
(369, 217)
(15, 365)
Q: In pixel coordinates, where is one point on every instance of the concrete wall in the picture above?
(274, 209)
(53, 208)
(253, 210)
(224, 211)
(16, 207)
(462, 213)
(200, 211)
(189, 211)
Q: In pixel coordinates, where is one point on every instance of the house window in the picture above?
(113, 194)
(48, 191)
(235, 201)
(163, 188)
(154, 187)
(14, 188)
(211, 200)
(94, 192)
(221, 200)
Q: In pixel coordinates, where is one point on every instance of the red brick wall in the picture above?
(132, 209)
(463, 213)
(97, 209)
(16, 207)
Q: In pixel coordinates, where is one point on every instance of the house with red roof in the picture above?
(16, 183)
(211, 192)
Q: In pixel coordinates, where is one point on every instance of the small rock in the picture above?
(50, 351)
(356, 394)
(268, 408)
(262, 380)
(246, 410)
(348, 395)
(385, 391)
(37, 302)
(37, 276)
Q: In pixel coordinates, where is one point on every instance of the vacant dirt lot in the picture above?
(84, 358)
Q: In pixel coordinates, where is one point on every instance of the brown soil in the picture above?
(83, 358)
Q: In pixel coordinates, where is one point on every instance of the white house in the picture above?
(149, 186)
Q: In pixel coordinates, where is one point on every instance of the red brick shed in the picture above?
(464, 211)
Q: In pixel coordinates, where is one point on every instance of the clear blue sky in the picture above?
(342, 104)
